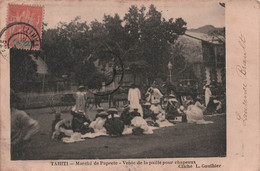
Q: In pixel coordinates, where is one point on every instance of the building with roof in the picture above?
(206, 56)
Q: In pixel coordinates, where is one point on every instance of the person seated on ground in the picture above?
(154, 95)
(148, 115)
(98, 123)
(101, 114)
(172, 108)
(62, 129)
(99, 109)
(182, 113)
(134, 122)
(194, 114)
(186, 101)
(159, 116)
(212, 106)
(55, 121)
(158, 112)
(80, 123)
(221, 108)
(23, 128)
(114, 125)
(148, 94)
(218, 103)
(126, 116)
(112, 113)
(146, 110)
(134, 113)
(140, 126)
(126, 109)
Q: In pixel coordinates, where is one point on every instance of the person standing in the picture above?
(134, 96)
(97, 101)
(208, 94)
(81, 99)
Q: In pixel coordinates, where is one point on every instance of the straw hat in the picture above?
(112, 110)
(80, 112)
(173, 100)
(100, 109)
(171, 95)
(103, 113)
(81, 87)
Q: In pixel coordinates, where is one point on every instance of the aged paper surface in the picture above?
(237, 144)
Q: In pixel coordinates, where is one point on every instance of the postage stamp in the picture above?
(25, 26)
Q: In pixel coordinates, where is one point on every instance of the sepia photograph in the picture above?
(117, 80)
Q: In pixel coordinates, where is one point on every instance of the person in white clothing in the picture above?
(81, 99)
(208, 95)
(134, 96)
(154, 95)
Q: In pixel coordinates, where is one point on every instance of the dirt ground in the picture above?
(181, 140)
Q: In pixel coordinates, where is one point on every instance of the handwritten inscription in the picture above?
(241, 69)
(242, 73)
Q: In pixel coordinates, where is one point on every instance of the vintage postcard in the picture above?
(129, 85)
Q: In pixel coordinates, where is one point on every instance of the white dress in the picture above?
(80, 101)
(134, 95)
(208, 94)
(194, 114)
(156, 96)
(98, 125)
(141, 123)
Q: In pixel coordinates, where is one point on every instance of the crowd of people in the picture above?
(137, 117)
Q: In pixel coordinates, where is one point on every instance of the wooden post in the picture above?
(43, 82)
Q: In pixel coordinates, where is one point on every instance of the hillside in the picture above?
(205, 29)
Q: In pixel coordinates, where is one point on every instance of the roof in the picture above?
(205, 37)
(192, 49)
(42, 67)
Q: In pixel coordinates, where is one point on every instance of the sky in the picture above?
(196, 14)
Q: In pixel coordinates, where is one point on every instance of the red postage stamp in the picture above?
(24, 24)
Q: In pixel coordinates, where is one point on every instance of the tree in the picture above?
(218, 35)
(180, 64)
(145, 35)
(22, 70)
(152, 35)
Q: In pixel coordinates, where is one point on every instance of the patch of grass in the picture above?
(182, 140)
